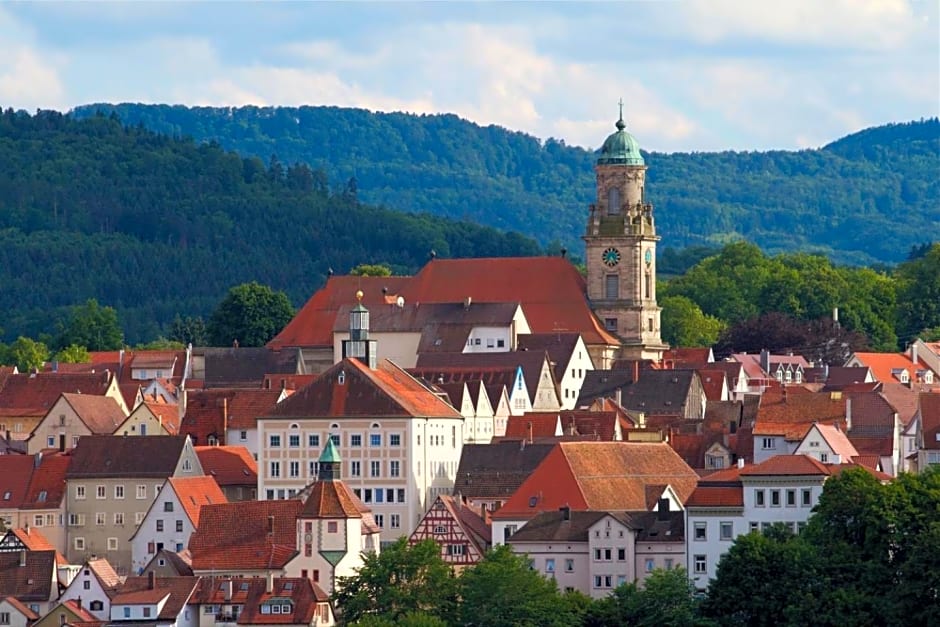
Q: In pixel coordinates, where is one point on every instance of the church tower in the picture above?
(620, 244)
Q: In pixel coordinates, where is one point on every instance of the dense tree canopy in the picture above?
(92, 326)
(157, 227)
(858, 200)
(249, 315)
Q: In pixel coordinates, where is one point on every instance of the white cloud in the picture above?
(29, 79)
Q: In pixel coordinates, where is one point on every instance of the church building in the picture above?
(620, 249)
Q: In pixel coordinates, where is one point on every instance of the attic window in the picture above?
(243, 587)
(341, 378)
(42, 496)
(6, 496)
(289, 585)
(533, 501)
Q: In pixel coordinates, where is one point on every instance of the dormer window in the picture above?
(341, 378)
(905, 378)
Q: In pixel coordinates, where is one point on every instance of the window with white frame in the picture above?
(293, 441)
(768, 443)
(293, 469)
(394, 468)
(700, 564)
(375, 468)
(275, 469)
(118, 518)
(101, 492)
(274, 441)
(313, 440)
(775, 498)
(394, 439)
(700, 531)
(355, 468)
(80, 492)
(101, 518)
(112, 544)
(791, 498)
(395, 521)
(119, 491)
(79, 544)
(355, 439)
(806, 498)
(141, 491)
(759, 498)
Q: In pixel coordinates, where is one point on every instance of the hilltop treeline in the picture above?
(863, 199)
(157, 226)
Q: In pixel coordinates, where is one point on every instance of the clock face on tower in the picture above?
(648, 257)
(611, 257)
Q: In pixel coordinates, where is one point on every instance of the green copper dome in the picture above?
(620, 148)
(329, 454)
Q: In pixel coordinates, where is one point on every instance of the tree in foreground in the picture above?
(92, 326)
(250, 314)
(26, 354)
(665, 599)
(402, 581)
(72, 354)
(502, 590)
(188, 330)
(685, 325)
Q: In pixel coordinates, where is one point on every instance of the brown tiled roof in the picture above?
(551, 526)
(600, 425)
(496, 470)
(332, 499)
(534, 424)
(690, 358)
(137, 590)
(386, 391)
(839, 377)
(101, 414)
(246, 535)
(902, 398)
(156, 359)
(104, 573)
(195, 492)
(35, 394)
(120, 456)
(609, 476)
(178, 561)
(209, 411)
(783, 465)
(788, 414)
(228, 465)
(15, 474)
(31, 582)
(250, 594)
(930, 420)
(477, 529)
(416, 318)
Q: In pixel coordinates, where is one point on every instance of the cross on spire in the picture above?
(620, 123)
(621, 108)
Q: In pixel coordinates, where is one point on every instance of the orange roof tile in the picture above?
(195, 492)
(35, 541)
(694, 358)
(837, 441)
(885, 366)
(609, 476)
(716, 496)
(534, 424)
(167, 414)
(333, 499)
(246, 535)
(785, 413)
(780, 465)
(21, 607)
(228, 465)
(212, 412)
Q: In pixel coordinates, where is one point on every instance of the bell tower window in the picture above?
(613, 201)
(648, 285)
(612, 286)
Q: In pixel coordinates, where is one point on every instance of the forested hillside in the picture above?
(864, 199)
(157, 226)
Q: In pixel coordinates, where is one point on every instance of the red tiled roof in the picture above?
(247, 535)
(195, 492)
(313, 324)
(137, 590)
(716, 496)
(713, 383)
(35, 394)
(81, 613)
(609, 476)
(386, 391)
(20, 607)
(228, 465)
(785, 413)
(782, 465)
(35, 541)
(105, 573)
(333, 499)
(534, 424)
(550, 290)
(837, 441)
(211, 412)
(158, 359)
(168, 415)
(120, 456)
(15, 473)
(884, 366)
(694, 358)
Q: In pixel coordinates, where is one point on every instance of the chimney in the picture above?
(740, 462)
(618, 397)
(224, 416)
(530, 432)
(765, 360)
(565, 512)
(78, 602)
(914, 353)
(269, 582)
(835, 316)
(636, 371)
(151, 580)
(23, 557)
(848, 413)
(227, 590)
(37, 460)
(271, 525)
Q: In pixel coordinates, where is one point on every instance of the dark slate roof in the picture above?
(246, 366)
(552, 526)
(122, 456)
(600, 383)
(559, 346)
(656, 527)
(724, 412)
(497, 470)
(29, 583)
(841, 376)
(655, 392)
(417, 316)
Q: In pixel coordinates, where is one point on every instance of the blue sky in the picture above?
(694, 75)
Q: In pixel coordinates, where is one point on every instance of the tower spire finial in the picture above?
(620, 123)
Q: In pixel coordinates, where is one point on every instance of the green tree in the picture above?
(160, 344)
(411, 619)
(665, 599)
(188, 330)
(250, 314)
(685, 325)
(27, 354)
(92, 326)
(365, 269)
(72, 354)
(919, 294)
(402, 580)
(502, 590)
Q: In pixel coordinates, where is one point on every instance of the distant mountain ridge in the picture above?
(862, 199)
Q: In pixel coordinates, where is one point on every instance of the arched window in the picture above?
(613, 201)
